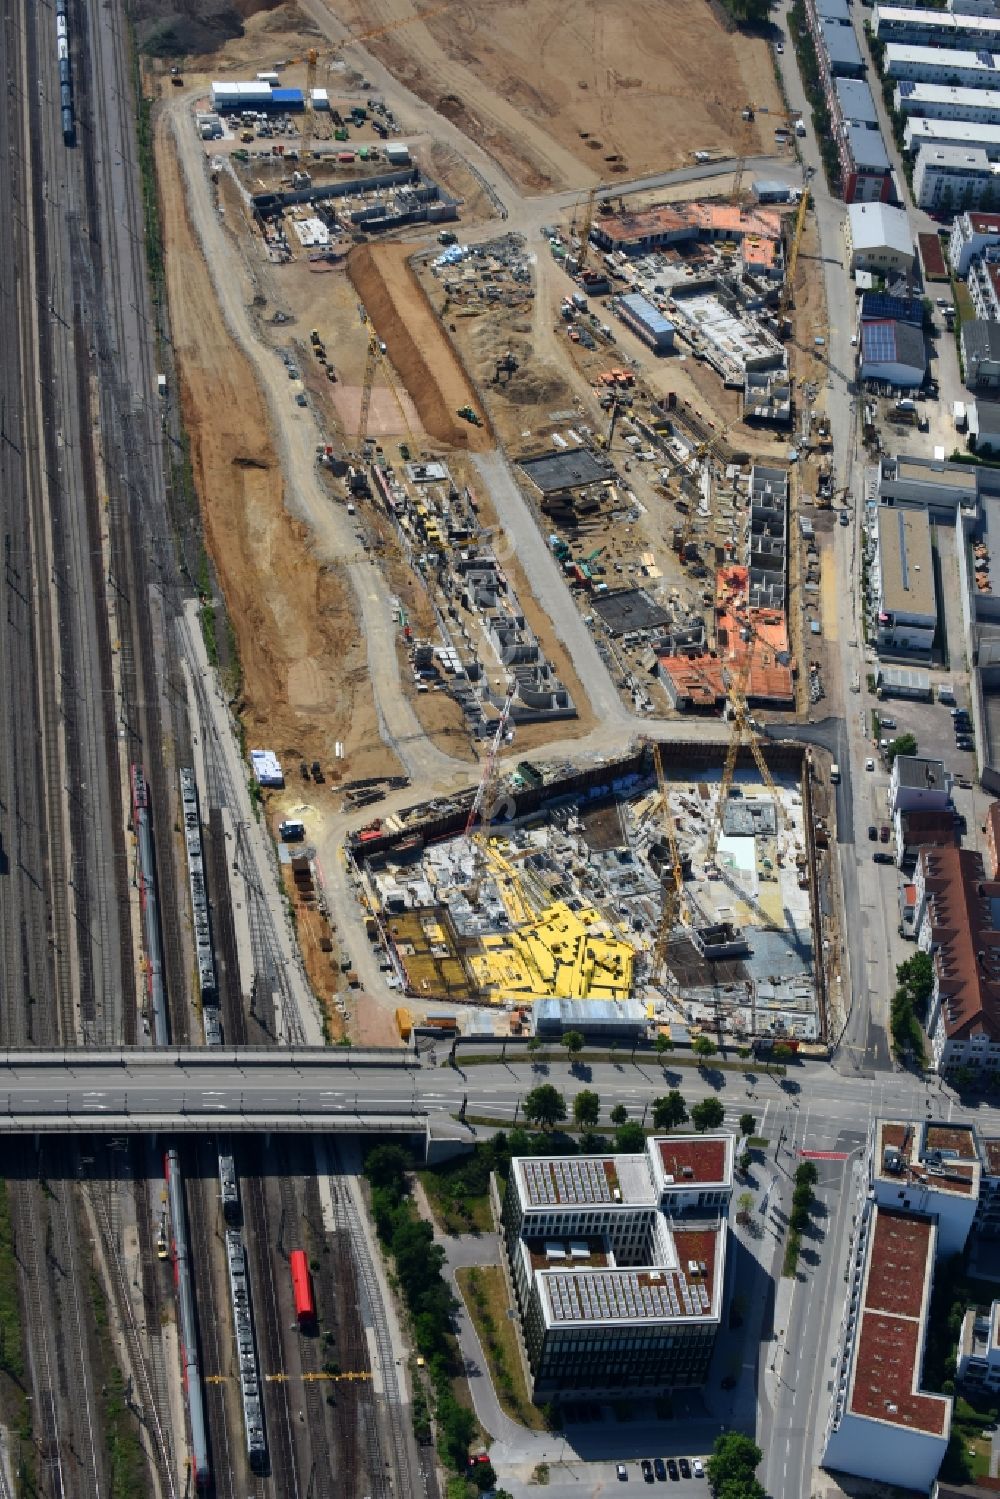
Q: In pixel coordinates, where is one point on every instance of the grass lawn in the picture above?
(456, 1210)
(485, 1295)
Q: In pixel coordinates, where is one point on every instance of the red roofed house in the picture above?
(958, 923)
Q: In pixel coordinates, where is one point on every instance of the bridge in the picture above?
(220, 1089)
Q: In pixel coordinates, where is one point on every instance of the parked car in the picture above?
(672, 1469)
(685, 1468)
(881, 857)
(883, 833)
(869, 765)
(622, 1473)
(873, 832)
(887, 723)
(698, 1467)
(647, 1469)
(660, 1469)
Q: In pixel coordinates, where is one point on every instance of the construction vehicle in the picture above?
(505, 366)
(468, 414)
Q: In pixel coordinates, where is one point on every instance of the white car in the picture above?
(869, 765)
(697, 1467)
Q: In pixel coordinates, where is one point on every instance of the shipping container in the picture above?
(305, 1302)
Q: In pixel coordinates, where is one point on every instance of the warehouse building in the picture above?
(942, 101)
(974, 69)
(904, 582)
(946, 175)
(879, 239)
(646, 321)
(618, 1266)
(893, 352)
(258, 96)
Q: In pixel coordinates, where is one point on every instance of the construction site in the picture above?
(674, 886)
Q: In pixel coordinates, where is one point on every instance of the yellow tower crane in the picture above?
(673, 889)
(312, 58)
(588, 223)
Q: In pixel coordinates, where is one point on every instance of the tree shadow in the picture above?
(582, 1070)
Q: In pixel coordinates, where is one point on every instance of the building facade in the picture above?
(618, 1265)
(943, 101)
(972, 234)
(977, 1367)
(904, 586)
(958, 923)
(949, 177)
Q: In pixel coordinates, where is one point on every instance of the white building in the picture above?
(957, 921)
(918, 784)
(930, 1169)
(942, 101)
(953, 177)
(971, 235)
(882, 1426)
(973, 69)
(966, 134)
(978, 1364)
(618, 1265)
(904, 584)
(983, 279)
(879, 238)
(934, 28)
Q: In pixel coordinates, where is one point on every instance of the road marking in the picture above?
(824, 1155)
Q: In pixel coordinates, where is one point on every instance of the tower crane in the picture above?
(588, 223)
(742, 733)
(312, 58)
(673, 890)
(489, 764)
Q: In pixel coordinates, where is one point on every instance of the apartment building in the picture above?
(972, 234)
(618, 1265)
(977, 1367)
(943, 101)
(978, 69)
(983, 281)
(930, 1169)
(948, 177)
(865, 170)
(958, 923)
(965, 134)
(922, 27)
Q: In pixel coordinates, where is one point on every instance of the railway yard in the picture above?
(419, 512)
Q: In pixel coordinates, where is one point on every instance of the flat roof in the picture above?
(913, 470)
(933, 20)
(679, 1292)
(856, 101)
(689, 1160)
(950, 132)
(567, 1181)
(572, 469)
(948, 59)
(867, 148)
(624, 610)
(941, 154)
(939, 1168)
(887, 1354)
(833, 10)
(920, 772)
(841, 44)
(991, 1156)
(913, 94)
(648, 313)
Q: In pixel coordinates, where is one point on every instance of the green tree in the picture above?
(903, 744)
(744, 1204)
(630, 1138)
(806, 1173)
(545, 1105)
(587, 1107)
(534, 1045)
(733, 1462)
(669, 1111)
(484, 1476)
(747, 1124)
(708, 1114)
(619, 1114)
(573, 1042)
(703, 1047)
(663, 1044)
(386, 1166)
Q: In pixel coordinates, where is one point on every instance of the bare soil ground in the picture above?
(304, 665)
(542, 84)
(418, 346)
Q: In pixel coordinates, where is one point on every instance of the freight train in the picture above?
(229, 1189)
(200, 1466)
(211, 1018)
(143, 828)
(65, 74)
(246, 1350)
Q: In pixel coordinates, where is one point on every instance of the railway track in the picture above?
(214, 1323)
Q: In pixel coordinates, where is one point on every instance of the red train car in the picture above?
(305, 1301)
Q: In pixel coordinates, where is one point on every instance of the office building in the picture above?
(927, 1168)
(618, 1265)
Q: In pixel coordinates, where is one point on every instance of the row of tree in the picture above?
(908, 1007)
(546, 1107)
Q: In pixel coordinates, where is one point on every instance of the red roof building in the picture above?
(958, 922)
